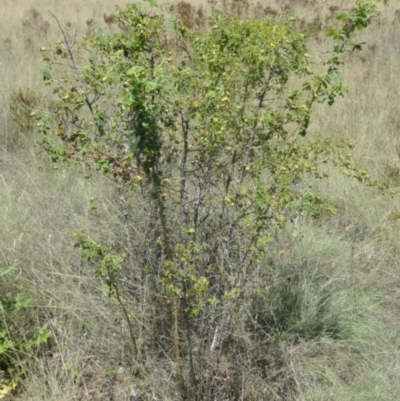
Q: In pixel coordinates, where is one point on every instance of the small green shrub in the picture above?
(16, 343)
(209, 128)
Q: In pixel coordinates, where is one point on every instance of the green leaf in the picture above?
(46, 74)
(5, 270)
(135, 70)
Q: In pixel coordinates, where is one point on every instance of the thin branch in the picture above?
(66, 41)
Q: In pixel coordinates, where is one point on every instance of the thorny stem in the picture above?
(128, 320)
(127, 233)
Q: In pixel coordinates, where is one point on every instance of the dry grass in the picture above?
(353, 255)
